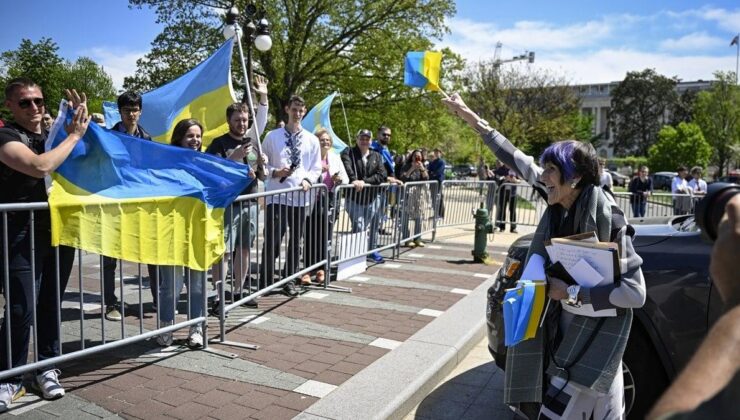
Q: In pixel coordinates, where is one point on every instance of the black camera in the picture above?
(711, 208)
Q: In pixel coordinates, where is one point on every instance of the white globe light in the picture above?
(263, 42)
(230, 31)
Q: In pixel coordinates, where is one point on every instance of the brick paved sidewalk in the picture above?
(308, 346)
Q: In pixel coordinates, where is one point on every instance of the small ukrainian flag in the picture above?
(422, 69)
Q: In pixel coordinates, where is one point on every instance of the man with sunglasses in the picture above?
(380, 145)
(129, 106)
(23, 166)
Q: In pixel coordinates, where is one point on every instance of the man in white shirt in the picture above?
(681, 192)
(293, 160)
(605, 180)
(698, 186)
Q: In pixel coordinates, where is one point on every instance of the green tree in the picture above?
(39, 62)
(718, 115)
(87, 76)
(319, 46)
(640, 104)
(532, 108)
(682, 145)
(683, 108)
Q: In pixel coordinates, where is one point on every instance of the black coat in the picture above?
(372, 173)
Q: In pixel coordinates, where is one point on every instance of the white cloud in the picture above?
(692, 41)
(726, 19)
(117, 63)
(608, 65)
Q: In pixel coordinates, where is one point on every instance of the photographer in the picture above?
(709, 386)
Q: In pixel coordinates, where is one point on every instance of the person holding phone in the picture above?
(240, 219)
(332, 175)
(417, 196)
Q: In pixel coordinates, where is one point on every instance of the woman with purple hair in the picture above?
(579, 348)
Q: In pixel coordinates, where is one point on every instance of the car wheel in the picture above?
(644, 377)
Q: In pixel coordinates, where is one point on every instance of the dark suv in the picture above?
(681, 306)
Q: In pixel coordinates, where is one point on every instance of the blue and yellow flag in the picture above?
(202, 93)
(421, 69)
(141, 201)
(318, 116)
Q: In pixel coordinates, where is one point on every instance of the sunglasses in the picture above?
(127, 110)
(26, 103)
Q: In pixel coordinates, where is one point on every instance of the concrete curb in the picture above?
(392, 386)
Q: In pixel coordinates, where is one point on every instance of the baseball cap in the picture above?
(365, 132)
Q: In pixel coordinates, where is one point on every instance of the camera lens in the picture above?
(711, 208)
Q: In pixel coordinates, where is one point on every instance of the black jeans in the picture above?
(316, 243)
(506, 197)
(22, 286)
(109, 280)
(278, 219)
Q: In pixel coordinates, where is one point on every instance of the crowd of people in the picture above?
(288, 158)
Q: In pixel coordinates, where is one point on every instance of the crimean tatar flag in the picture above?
(202, 93)
(421, 69)
(141, 201)
(318, 116)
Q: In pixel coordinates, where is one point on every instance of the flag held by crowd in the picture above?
(141, 201)
(523, 307)
(422, 68)
(318, 117)
(202, 93)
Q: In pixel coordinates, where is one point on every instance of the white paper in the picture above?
(585, 275)
(601, 260)
(535, 269)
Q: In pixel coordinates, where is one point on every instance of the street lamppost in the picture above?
(257, 34)
(257, 31)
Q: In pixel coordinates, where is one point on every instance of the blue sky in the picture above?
(585, 41)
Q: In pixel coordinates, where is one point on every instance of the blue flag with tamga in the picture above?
(523, 307)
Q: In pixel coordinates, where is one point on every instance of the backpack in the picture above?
(5, 170)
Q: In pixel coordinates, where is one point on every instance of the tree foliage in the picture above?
(531, 108)
(320, 46)
(41, 63)
(718, 115)
(683, 145)
(639, 109)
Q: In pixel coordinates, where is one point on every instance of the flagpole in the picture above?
(349, 136)
(737, 55)
(248, 82)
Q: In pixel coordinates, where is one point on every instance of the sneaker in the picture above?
(195, 337)
(289, 290)
(419, 243)
(165, 339)
(48, 384)
(112, 313)
(410, 244)
(10, 392)
(250, 303)
(376, 258)
(514, 231)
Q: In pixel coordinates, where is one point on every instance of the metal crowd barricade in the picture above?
(517, 204)
(656, 204)
(462, 198)
(420, 207)
(67, 306)
(290, 231)
(366, 221)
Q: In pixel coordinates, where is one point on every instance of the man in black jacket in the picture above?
(129, 106)
(365, 167)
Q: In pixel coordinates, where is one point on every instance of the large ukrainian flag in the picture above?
(142, 201)
(202, 93)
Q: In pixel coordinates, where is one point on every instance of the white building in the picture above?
(596, 101)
